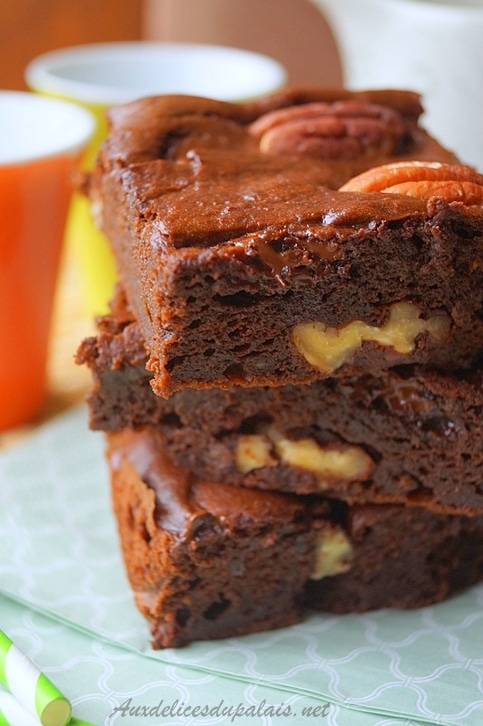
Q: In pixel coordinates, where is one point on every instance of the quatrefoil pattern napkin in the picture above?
(66, 597)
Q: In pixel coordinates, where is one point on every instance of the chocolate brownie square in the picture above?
(246, 265)
(206, 560)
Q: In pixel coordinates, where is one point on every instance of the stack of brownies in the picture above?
(289, 379)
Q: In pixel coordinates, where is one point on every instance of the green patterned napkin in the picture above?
(59, 557)
(114, 686)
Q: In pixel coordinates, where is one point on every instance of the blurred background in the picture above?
(293, 31)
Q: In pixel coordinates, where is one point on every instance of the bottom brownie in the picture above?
(207, 560)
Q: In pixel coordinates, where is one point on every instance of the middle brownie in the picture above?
(407, 436)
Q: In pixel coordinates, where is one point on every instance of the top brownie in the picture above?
(253, 253)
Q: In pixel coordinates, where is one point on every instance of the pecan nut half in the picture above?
(423, 179)
(341, 130)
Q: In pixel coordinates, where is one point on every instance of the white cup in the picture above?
(111, 73)
(434, 47)
(98, 76)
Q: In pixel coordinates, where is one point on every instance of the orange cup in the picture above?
(41, 141)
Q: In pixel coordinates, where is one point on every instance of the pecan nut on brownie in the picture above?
(244, 262)
(409, 435)
(207, 561)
